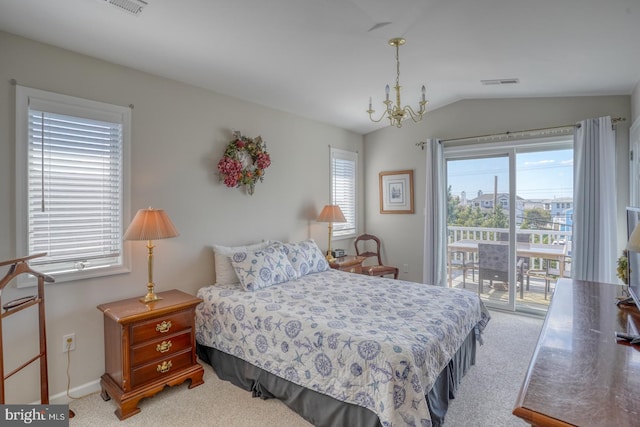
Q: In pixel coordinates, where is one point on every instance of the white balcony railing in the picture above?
(484, 233)
(552, 237)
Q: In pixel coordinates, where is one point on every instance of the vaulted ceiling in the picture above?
(323, 59)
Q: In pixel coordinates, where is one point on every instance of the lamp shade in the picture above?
(150, 224)
(634, 240)
(331, 213)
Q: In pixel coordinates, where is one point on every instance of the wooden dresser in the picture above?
(579, 375)
(147, 347)
(350, 263)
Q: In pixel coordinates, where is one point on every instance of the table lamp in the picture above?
(331, 214)
(150, 224)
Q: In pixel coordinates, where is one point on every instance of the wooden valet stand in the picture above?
(19, 266)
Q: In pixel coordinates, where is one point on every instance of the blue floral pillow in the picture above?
(306, 257)
(262, 268)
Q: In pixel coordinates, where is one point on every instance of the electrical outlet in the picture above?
(68, 342)
(405, 268)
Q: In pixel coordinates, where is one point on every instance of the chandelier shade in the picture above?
(395, 112)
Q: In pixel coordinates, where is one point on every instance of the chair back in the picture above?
(362, 241)
(493, 256)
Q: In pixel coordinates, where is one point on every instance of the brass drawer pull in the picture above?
(163, 327)
(166, 365)
(164, 346)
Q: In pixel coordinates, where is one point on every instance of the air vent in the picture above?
(500, 82)
(134, 7)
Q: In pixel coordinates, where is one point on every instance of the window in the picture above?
(71, 167)
(343, 190)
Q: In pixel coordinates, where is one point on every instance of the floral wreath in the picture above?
(244, 162)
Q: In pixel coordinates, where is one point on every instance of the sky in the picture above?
(539, 175)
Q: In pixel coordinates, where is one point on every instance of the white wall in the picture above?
(635, 104)
(179, 133)
(394, 149)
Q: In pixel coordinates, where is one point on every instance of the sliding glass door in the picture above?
(478, 218)
(509, 217)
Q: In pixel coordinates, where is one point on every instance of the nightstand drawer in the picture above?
(161, 368)
(161, 326)
(162, 347)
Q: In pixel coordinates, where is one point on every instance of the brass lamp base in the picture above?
(150, 296)
(330, 257)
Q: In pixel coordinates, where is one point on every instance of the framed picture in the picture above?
(396, 192)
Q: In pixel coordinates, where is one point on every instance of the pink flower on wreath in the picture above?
(263, 161)
(230, 168)
(231, 180)
(240, 143)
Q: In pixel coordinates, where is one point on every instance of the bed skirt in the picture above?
(322, 410)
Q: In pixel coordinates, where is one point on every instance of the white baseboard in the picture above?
(76, 392)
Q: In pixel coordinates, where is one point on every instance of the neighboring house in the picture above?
(558, 206)
(561, 210)
(564, 222)
(486, 203)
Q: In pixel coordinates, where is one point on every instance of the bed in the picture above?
(338, 348)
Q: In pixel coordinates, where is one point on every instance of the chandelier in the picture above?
(395, 113)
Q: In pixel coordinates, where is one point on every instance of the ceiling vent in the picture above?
(500, 82)
(133, 7)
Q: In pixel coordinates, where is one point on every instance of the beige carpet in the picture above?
(214, 403)
(485, 398)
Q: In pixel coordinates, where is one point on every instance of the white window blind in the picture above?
(343, 190)
(73, 201)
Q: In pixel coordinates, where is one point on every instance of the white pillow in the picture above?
(225, 274)
(262, 268)
(306, 257)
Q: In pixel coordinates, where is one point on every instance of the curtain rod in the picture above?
(614, 121)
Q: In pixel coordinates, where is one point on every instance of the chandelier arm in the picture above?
(387, 112)
(384, 113)
(414, 114)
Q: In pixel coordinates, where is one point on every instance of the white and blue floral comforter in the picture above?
(373, 342)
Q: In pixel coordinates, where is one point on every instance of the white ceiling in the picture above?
(321, 59)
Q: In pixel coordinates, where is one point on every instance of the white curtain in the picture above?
(435, 220)
(594, 213)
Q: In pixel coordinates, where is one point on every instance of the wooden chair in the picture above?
(19, 266)
(378, 269)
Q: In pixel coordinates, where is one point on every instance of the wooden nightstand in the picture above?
(147, 347)
(350, 263)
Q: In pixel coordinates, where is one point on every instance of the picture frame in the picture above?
(396, 192)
